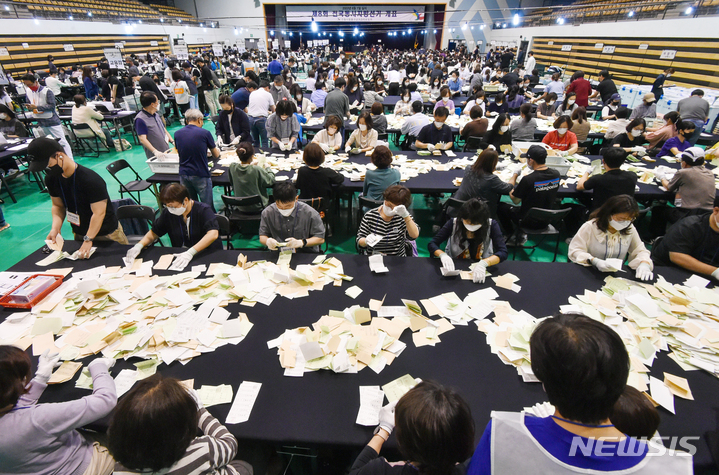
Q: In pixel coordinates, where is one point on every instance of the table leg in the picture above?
(119, 135)
(156, 191)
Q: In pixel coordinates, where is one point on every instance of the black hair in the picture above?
(614, 157)
(417, 106)
(615, 205)
(245, 151)
(476, 211)
(622, 112)
(526, 109)
(340, 82)
(174, 193)
(283, 108)
(441, 111)
(147, 98)
(264, 83)
(635, 122)
(367, 117)
(284, 192)
(635, 415)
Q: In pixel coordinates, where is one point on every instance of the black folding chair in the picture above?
(225, 230)
(365, 202)
(136, 221)
(85, 138)
(552, 217)
(134, 186)
(244, 222)
(472, 143)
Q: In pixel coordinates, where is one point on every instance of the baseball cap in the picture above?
(693, 156)
(616, 97)
(39, 152)
(536, 153)
(648, 97)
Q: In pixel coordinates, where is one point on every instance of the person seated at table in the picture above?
(610, 234)
(514, 98)
(314, 180)
(379, 121)
(291, 223)
(547, 109)
(580, 124)
(500, 135)
(248, 179)
(434, 430)
(568, 104)
(154, 430)
(445, 100)
(617, 126)
(354, 94)
(404, 105)
(499, 106)
(562, 138)
(647, 109)
(658, 135)
(415, 96)
(83, 114)
(391, 221)
(477, 127)
(376, 181)
(43, 438)
(471, 235)
(283, 128)
(610, 107)
(233, 125)
(10, 126)
(435, 89)
(304, 104)
(189, 224)
(584, 394)
(555, 86)
(479, 181)
(414, 124)
(476, 99)
(437, 135)
(379, 84)
(674, 146)
(319, 94)
(329, 138)
(364, 138)
(614, 181)
(455, 84)
(635, 415)
(371, 96)
(523, 127)
(632, 137)
(692, 244)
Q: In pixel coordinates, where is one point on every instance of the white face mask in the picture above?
(3, 116)
(562, 130)
(405, 99)
(637, 133)
(619, 225)
(286, 212)
(552, 103)
(388, 211)
(362, 127)
(668, 75)
(438, 124)
(354, 89)
(445, 99)
(472, 227)
(570, 102)
(177, 211)
(504, 128)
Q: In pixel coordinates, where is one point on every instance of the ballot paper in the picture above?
(697, 281)
(376, 264)
(65, 372)
(449, 273)
(372, 239)
(164, 262)
(58, 244)
(661, 394)
(214, 395)
(243, 403)
(615, 263)
(394, 390)
(371, 398)
(353, 292)
(124, 381)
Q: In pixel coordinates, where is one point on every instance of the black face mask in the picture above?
(55, 170)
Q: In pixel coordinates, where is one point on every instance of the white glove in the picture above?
(638, 148)
(480, 272)
(401, 211)
(386, 417)
(602, 265)
(644, 272)
(283, 147)
(181, 260)
(134, 251)
(194, 394)
(447, 261)
(660, 175)
(325, 148)
(430, 147)
(236, 140)
(219, 141)
(102, 364)
(517, 169)
(348, 148)
(45, 365)
(271, 244)
(160, 156)
(295, 243)
(715, 274)
(439, 146)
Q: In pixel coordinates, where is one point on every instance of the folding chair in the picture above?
(472, 143)
(242, 220)
(134, 186)
(225, 230)
(85, 137)
(553, 218)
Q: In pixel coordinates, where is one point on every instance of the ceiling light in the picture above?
(631, 13)
(464, 27)
(313, 25)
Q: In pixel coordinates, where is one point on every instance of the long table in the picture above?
(320, 408)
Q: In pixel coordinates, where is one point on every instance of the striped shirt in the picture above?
(393, 232)
(209, 454)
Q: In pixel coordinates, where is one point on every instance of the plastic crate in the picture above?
(169, 166)
(9, 301)
(561, 164)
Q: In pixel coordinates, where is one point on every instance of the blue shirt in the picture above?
(192, 144)
(318, 97)
(275, 67)
(558, 442)
(670, 144)
(241, 98)
(455, 85)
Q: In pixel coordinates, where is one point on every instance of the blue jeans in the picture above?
(193, 101)
(258, 131)
(199, 188)
(697, 132)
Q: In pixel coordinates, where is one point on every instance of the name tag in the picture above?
(73, 218)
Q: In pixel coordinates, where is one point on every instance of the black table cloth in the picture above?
(321, 407)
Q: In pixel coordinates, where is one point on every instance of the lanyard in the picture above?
(74, 191)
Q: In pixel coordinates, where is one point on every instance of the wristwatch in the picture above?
(86, 238)
(377, 432)
(304, 243)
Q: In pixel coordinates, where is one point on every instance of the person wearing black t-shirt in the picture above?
(536, 190)
(78, 194)
(314, 180)
(188, 223)
(499, 136)
(612, 182)
(114, 90)
(437, 135)
(692, 243)
(606, 87)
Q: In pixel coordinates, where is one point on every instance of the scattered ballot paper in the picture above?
(678, 386)
(373, 239)
(65, 372)
(661, 394)
(243, 403)
(376, 264)
(449, 273)
(615, 264)
(371, 398)
(394, 390)
(696, 281)
(353, 292)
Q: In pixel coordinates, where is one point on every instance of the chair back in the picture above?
(83, 131)
(454, 203)
(237, 201)
(225, 232)
(384, 137)
(472, 143)
(409, 140)
(319, 204)
(116, 167)
(365, 202)
(136, 220)
(549, 216)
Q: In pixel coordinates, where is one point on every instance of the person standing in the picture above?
(148, 85)
(78, 194)
(41, 101)
(582, 88)
(91, 89)
(531, 62)
(275, 67)
(51, 64)
(192, 78)
(658, 86)
(337, 103)
(695, 109)
(606, 87)
(4, 225)
(259, 107)
(193, 142)
(208, 86)
(149, 126)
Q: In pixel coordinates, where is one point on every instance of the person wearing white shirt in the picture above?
(310, 83)
(329, 138)
(53, 83)
(394, 78)
(181, 91)
(82, 114)
(259, 108)
(530, 63)
(416, 122)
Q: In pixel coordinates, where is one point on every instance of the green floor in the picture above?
(30, 217)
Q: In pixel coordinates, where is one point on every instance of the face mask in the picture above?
(445, 99)
(619, 225)
(552, 103)
(3, 116)
(379, 82)
(177, 211)
(405, 99)
(299, 97)
(562, 130)
(388, 211)
(668, 76)
(34, 88)
(286, 212)
(362, 127)
(472, 227)
(570, 102)
(637, 133)
(438, 124)
(615, 103)
(354, 89)
(504, 128)
(331, 131)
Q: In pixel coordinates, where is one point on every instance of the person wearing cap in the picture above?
(674, 146)
(695, 190)
(10, 126)
(536, 190)
(41, 101)
(610, 107)
(606, 87)
(150, 128)
(692, 243)
(78, 194)
(647, 109)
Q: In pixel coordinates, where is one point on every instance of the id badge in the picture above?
(73, 218)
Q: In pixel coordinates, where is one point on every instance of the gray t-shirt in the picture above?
(337, 103)
(523, 130)
(693, 108)
(303, 223)
(695, 186)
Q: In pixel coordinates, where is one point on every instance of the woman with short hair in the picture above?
(562, 138)
(391, 221)
(384, 176)
(330, 138)
(525, 125)
(633, 135)
(314, 180)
